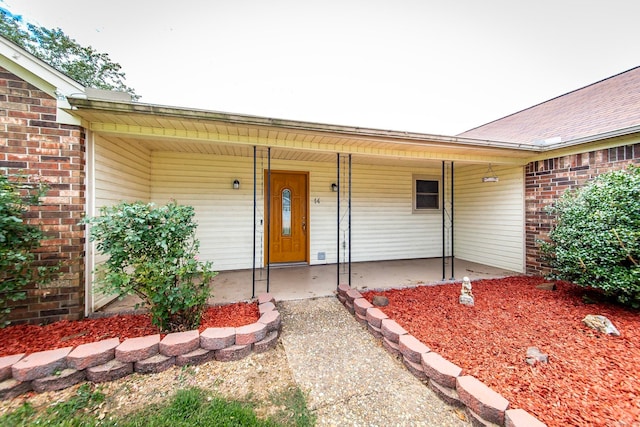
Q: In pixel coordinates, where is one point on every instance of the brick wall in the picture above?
(546, 180)
(33, 143)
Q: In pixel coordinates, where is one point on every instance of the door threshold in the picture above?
(288, 264)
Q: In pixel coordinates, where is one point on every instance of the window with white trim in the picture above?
(426, 194)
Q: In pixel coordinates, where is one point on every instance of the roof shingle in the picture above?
(608, 105)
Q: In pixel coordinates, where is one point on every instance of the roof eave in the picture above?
(82, 102)
(592, 138)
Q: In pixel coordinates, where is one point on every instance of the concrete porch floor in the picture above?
(300, 282)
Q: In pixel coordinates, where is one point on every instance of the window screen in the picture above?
(427, 194)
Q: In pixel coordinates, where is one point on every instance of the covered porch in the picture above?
(361, 200)
(312, 281)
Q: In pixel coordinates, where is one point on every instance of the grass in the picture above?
(188, 407)
(293, 409)
(73, 412)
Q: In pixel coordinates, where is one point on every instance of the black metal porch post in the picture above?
(338, 223)
(453, 275)
(444, 206)
(255, 184)
(268, 217)
(349, 220)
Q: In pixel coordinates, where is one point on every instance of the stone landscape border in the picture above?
(484, 406)
(110, 359)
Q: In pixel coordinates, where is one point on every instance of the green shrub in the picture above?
(596, 240)
(153, 253)
(18, 240)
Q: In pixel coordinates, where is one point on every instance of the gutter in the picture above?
(83, 102)
(592, 138)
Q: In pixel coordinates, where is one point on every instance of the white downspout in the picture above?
(90, 200)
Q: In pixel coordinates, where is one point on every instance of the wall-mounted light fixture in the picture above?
(236, 184)
(334, 187)
(490, 175)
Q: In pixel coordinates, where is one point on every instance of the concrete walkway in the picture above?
(351, 380)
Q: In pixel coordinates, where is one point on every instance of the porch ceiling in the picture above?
(276, 153)
(194, 131)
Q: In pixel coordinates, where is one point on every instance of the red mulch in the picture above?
(591, 378)
(31, 338)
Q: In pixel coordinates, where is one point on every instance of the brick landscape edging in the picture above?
(111, 359)
(483, 405)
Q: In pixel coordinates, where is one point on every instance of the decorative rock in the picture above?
(535, 356)
(600, 324)
(250, 333)
(521, 418)
(411, 348)
(195, 357)
(154, 364)
(269, 342)
(112, 370)
(266, 307)
(63, 379)
(481, 400)
(266, 297)
(235, 352)
(466, 300)
(391, 330)
(361, 306)
(380, 301)
(5, 365)
(440, 370)
(135, 349)
(547, 286)
(217, 338)
(272, 320)
(375, 316)
(92, 354)
(11, 388)
(40, 364)
(466, 296)
(179, 343)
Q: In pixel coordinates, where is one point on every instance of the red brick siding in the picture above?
(33, 143)
(546, 180)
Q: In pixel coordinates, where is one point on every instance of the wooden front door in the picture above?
(289, 219)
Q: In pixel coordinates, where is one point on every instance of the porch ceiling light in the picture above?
(236, 184)
(490, 175)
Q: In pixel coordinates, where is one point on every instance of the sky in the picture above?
(431, 66)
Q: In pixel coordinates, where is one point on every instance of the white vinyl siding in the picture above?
(383, 226)
(224, 215)
(489, 217)
(383, 222)
(121, 173)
